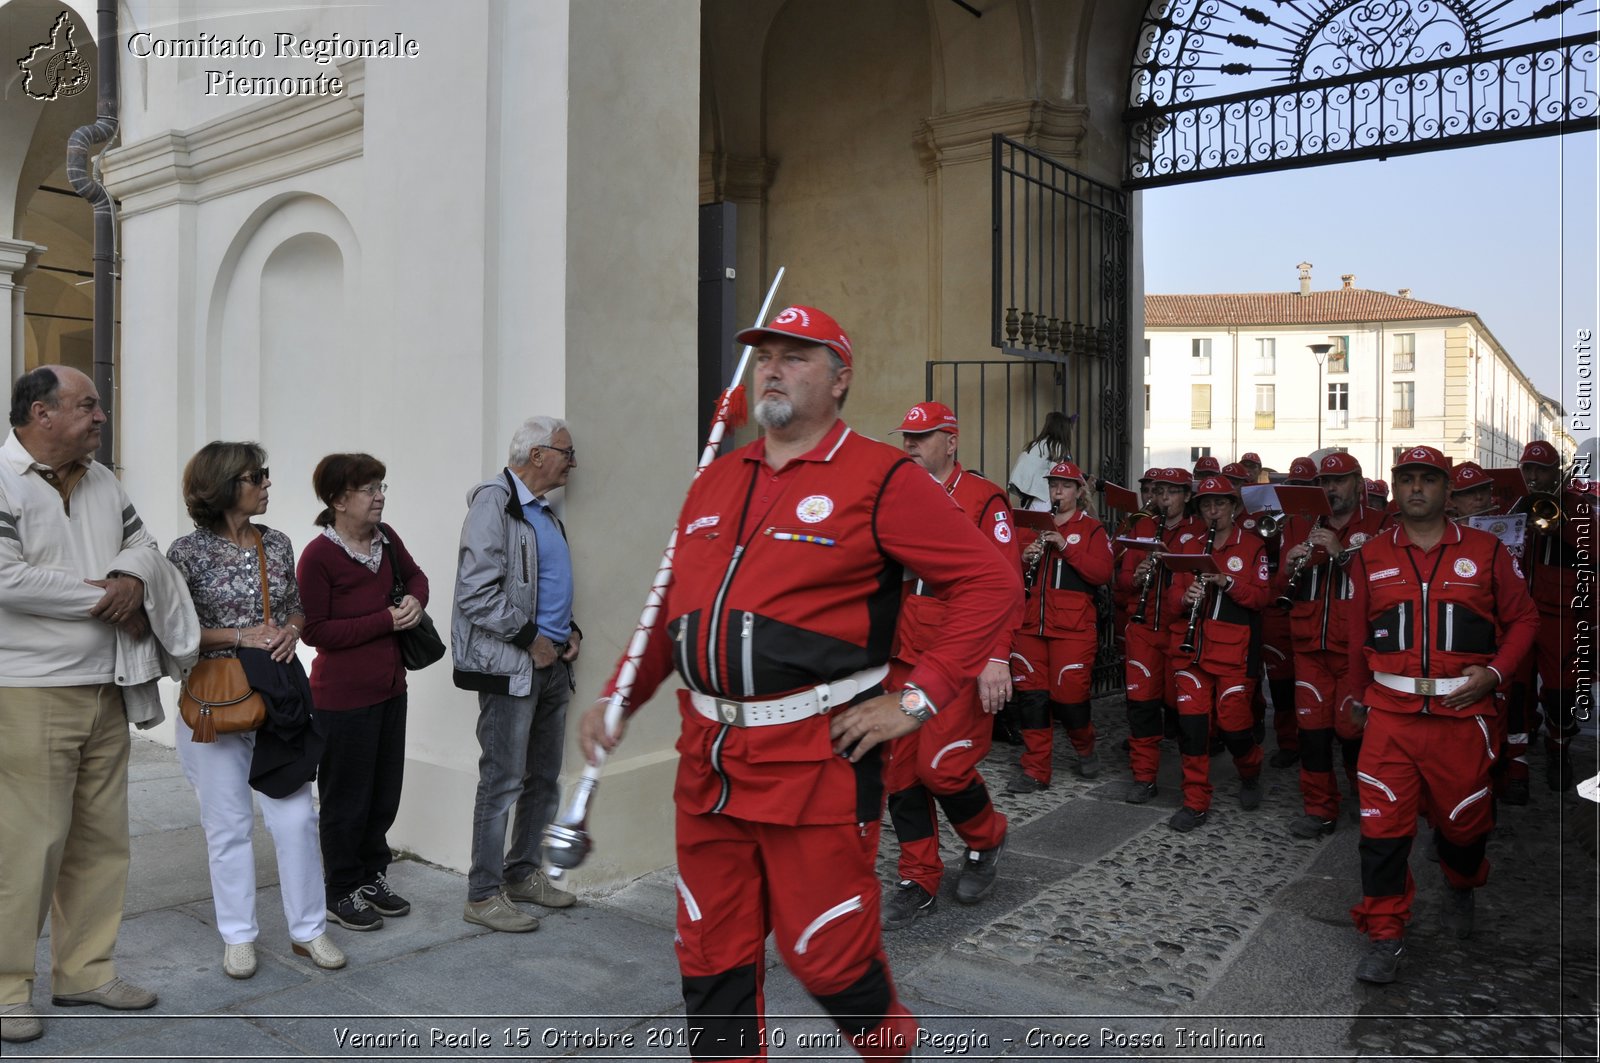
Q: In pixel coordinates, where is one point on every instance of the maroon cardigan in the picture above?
(347, 620)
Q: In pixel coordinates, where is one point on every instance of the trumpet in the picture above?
(1286, 600)
(1545, 511)
(1269, 524)
(1199, 606)
(1151, 510)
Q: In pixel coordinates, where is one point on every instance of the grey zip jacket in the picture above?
(497, 583)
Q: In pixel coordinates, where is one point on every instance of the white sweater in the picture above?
(47, 637)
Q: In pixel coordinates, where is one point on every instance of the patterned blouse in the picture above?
(225, 581)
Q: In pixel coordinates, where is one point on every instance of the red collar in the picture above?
(823, 451)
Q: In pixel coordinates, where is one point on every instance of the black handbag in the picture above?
(420, 646)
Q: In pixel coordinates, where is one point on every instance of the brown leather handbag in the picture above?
(216, 698)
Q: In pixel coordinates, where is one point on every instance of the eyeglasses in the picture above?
(258, 477)
(372, 489)
(570, 452)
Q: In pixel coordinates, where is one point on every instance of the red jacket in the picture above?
(1319, 613)
(1061, 594)
(1430, 614)
(1228, 637)
(921, 614)
(1553, 559)
(1180, 535)
(786, 579)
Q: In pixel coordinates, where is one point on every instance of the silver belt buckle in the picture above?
(729, 711)
(1425, 687)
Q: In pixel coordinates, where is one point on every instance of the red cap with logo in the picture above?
(1339, 464)
(1539, 453)
(802, 323)
(1235, 471)
(1149, 475)
(1302, 470)
(1216, 485)
(928, 417)
(1065, 470)
(1469, 476)
(1178, 477)
(1250, 457)
(1428, 457)
(1381, 486)
(1206, 464)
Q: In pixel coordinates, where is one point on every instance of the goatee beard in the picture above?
(775, 412)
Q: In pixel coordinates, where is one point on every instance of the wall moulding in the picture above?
(248, 148)
(734, 178)
(1056, 129)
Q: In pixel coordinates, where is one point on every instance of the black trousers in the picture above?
(359, 786)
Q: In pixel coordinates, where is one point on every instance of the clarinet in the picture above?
(1199, 607)
(1150, 580)
(1286, 600)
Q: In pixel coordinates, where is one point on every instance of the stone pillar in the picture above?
(17, 259)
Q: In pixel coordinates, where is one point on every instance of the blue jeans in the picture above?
(522, 740)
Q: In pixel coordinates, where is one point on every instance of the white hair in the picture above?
(534, 432)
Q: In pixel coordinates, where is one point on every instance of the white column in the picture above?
(17, 259)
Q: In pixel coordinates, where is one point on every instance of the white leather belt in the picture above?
(1427, 688)
(818, 700)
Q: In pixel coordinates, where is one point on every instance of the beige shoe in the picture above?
(239, 961)
(19, 1023)
(538, 889)
(322, 951)
(115, 994)
(498, 913)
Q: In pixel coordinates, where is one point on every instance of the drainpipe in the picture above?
(78, 145)
(1237, 387)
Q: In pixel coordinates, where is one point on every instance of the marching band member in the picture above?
(1206, 466)
(1439, 615)
(939, 761)
(1218, 652)
(1277, 645)
(1315, 579)
(1053, 651)
(1252, 466)
(1147, 668)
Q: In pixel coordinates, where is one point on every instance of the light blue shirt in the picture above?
(554, 601)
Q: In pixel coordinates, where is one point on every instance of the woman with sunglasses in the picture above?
(353, 617)
(225, 485)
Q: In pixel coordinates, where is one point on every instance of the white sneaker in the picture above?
(239, 961)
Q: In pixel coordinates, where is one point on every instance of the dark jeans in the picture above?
(359, 787)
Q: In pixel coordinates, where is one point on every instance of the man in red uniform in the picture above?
(939, 761)
(1553, 560)
(1277, 644)
(1236, 473)
(1439, 616)
(1053, 651)
(1217, 674)
(1319, 588)
(1207, 466)
(1252, 466)
(779, 617)
(1148, 668)
(1139, 526)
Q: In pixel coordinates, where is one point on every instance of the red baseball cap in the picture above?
(802, 323)
(1065, 470)
(1207, 464)
(928, 417)
(1539, 453)
(1339, 464)
(1302, 470)
(1425, 456)
(1149, 474)
(1179, 477)
(1216, 485)
(1468, 476)
(1234, 471)
(1252, 457)
(1381, 486)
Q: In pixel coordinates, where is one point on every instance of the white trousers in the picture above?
(220, 774)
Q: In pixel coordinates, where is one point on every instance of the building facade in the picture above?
(1230, 373)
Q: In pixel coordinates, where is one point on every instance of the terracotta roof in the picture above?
(1341, 306)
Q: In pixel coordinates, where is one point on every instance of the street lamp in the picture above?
(1321, 351)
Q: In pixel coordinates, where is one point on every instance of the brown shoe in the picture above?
(538, 889)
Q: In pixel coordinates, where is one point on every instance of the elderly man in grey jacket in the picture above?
(513, 641)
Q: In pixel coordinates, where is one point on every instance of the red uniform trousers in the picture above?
(1322, 706)
(739, 880)
(1148, 673)
(1202, 691)
(1060, 667)
(1277, 659)
(1412, 762)
(939, 762)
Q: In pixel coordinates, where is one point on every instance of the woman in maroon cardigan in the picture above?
(358, 682)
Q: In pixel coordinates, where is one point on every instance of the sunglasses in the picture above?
(259, 477)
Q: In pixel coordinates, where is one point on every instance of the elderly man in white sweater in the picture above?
(67, 533)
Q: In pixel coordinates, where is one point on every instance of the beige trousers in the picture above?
(63, 834)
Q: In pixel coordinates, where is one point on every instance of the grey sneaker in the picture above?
(1089, 766)
(1250, 793)
(1141, 792)
(538, 889)
(1460, 912)
(1026, 784)
(19, 1023)
(907, 903)
(1382, 962)
(1309, 826)
(498, 913)
(977, 873)
(116, 994)
(1186, 819)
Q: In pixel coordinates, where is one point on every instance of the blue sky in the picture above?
(1506, 230)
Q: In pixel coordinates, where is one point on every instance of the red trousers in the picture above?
(1228, 695)
(1148, 673)
(1323, 701)
(938, 762)
(1417, 762)
(1061, 667)
(814, 888)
